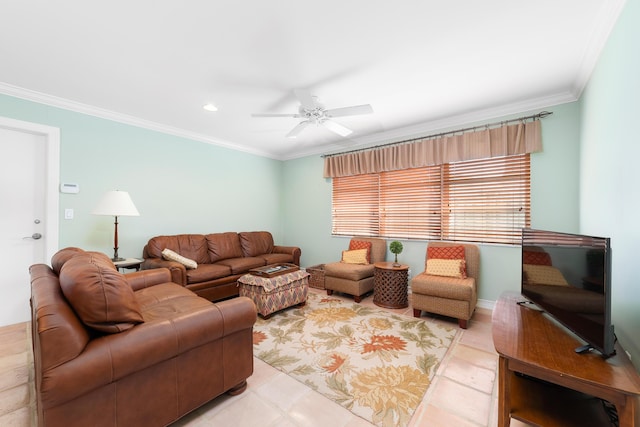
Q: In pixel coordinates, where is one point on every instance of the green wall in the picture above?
(308, 206)
(609, 197)
(178, 185)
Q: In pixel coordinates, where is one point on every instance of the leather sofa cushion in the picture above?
(192, 246)
(242, 265)
(62, 256)
(60, 330)
(276, 258)
(166, 300)
(206, 272)
(256, 243)
(223, 246)
(99, 294)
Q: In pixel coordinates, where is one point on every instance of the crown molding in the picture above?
(78, 107)
(609, 13)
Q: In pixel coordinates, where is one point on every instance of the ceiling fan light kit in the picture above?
(314, 113)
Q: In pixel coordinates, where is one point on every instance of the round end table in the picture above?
(390, 285)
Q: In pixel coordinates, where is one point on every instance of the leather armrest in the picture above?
(146, 278)
(178, 271)
(291, 250)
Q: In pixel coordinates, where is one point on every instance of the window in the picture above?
(477, 201)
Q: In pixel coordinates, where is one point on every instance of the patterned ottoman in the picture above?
(271, 294)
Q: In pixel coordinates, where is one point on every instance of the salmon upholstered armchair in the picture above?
(448, 286)
(353, 275)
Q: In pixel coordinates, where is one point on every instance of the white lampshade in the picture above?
(116, 203)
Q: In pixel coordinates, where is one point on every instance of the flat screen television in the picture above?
(569, 277)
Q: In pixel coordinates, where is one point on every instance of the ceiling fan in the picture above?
(312, 112)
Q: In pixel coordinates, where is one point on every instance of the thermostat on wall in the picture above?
(67, 187)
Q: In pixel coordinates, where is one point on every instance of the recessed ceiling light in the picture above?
(210, 107)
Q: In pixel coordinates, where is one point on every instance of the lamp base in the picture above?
(116, 259)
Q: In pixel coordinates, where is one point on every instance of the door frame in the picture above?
(51, 137)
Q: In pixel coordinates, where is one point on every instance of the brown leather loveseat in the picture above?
(221, 259)
(130, 350)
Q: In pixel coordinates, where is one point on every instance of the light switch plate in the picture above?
(68, 213)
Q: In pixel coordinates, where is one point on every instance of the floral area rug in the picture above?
(375, 363)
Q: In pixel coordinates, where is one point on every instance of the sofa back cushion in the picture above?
(256, 243)
(99, 294)
(58, 333)
(62, 256)
(192, 246)
(223, 246)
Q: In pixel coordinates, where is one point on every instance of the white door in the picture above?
(25, 217)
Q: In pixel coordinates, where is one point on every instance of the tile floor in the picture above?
(463, 392)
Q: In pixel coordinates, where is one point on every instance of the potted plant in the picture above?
(395, 247)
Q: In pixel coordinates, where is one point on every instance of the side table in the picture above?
(128, 263)
(390, 285)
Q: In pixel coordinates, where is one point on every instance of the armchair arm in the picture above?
(178, 271)
(146, 278)
(291, 250)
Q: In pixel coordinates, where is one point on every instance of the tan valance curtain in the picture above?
(501, 141)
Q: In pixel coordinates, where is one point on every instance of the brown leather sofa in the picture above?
(130, 350)
(221, 258)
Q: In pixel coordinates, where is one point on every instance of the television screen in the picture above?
(568, 276)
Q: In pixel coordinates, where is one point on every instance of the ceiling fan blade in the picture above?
(306, 99)
(336, 127)
(274, 115)
(350, 111)
(299, 128)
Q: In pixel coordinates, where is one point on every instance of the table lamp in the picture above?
(116, 203)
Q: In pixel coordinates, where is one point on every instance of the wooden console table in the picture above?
(541, 380)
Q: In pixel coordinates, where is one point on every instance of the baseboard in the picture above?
(485, 303)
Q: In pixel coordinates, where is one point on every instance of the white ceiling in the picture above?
(423, 65)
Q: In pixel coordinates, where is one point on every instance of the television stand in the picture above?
(543, 381)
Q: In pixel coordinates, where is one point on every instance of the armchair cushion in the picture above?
(361, 244)
(445, 252)
(356, 256)
(447, 267)
(444, 287)
(353, 272)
